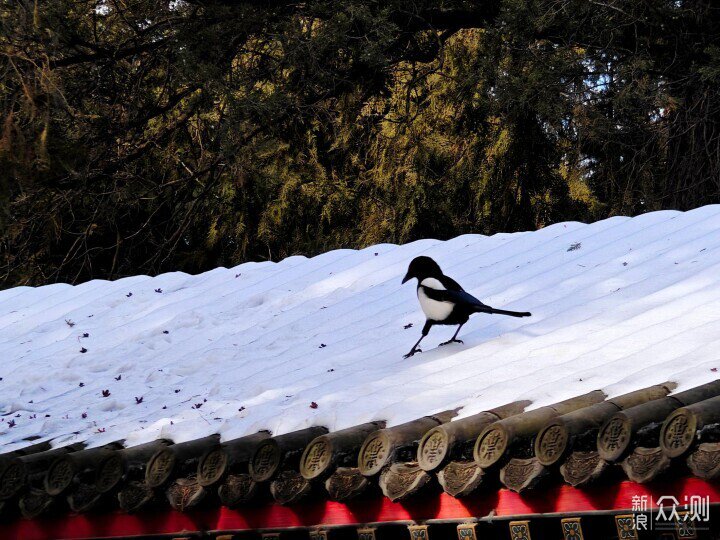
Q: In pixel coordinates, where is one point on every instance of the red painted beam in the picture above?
(558, 499)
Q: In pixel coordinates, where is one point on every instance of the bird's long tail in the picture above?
(488, 309)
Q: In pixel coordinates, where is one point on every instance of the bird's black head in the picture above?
(421, 268)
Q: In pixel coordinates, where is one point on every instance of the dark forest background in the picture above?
(140, 136)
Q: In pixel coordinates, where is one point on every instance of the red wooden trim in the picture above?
(558, 499)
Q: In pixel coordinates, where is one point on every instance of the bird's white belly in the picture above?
(434, 310)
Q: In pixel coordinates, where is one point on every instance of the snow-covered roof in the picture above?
(617, 305)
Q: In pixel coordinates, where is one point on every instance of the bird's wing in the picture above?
(450, 284)
(457, 296)
(452, 292)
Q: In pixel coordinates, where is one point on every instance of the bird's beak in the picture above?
(407, 278)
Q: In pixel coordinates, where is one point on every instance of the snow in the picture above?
(618, 305)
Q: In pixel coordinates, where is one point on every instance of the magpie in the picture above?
(444, 301)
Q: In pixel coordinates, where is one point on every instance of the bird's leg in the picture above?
(415, 349)
(453, 339)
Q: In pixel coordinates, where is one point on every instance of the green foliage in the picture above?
(140, 136)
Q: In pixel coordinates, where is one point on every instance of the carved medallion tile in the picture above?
(466, 531)
(519, 530)
(625, 525)
(571, 529)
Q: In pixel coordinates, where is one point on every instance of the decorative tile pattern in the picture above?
(374, 453)
(212, 467)
(552, 442)
(614, 437)
(319, 534)
(466, 531)
(59, 476)
(265, 461)
(684, 526)
(492, 445)
(519, 530)
(625, 524)
(433, 448)
(678, 432)
(316, 459)
(159, 468)
(419, 532)
(572, 529)
(704, 461)
(367, 533)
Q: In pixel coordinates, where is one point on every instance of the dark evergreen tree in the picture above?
(140, 136)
